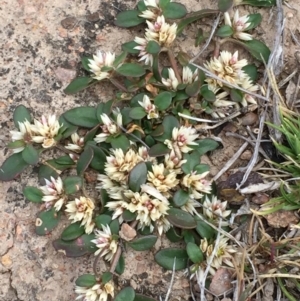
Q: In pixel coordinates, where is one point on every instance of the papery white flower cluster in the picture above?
(227, 67)
(42, 132)
(159, 31)
(98, 292)
(151, 204)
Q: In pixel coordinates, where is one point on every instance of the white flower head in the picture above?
(54, 193)
(173, 162)
(143, 54)
(109, 127)
(77, 145)
(99, 292)
(170, 82)
(188, 76)
(214, 208)
(46, 130)
(82, 210)
(149, 107)
(105, 243)
(100, 60)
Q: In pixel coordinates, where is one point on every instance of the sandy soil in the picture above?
(39, 57)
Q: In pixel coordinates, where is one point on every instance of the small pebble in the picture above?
(289, 15)
(93, 17)
(246, 155)
(69, 22)
(249, 119)
(260, 198)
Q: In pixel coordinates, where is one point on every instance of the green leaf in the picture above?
(30, 155)
(194, 252)
(181, 219)
(224, 31)
(205, 145)
(21, 113)
(129, 47)
(188, 236)
(158, 150)
(131, 69)
(261, 3)
(46, 172)
(82, 116)
(89, 136)
(137, 176)
(63, 161)
(120, 142)
(12, 167)
(158, 131)
(207, 94)
(142, 298)
(163, 100)
(192, 17)
(129, 18)
(152, 47)
(33, 194)
(114, 227)
(258, 49)
(204, 230)
(85, 61)
(236, 95)
(141, 6)
(106, 277)
(84, 160)
(173, 235)
(194, 88)
(126, 294)
(46, 221)
(67, 128)
(99, 158)
(251, 71)
(120, 268)
(192, 160)
(166, 257)
(137, 113)
(201, 168)
(143, 243)
(78, 84)
(16, 144)
(72, 184)
(180, 198)
(163, 3)
(102, 219)
(86, 280)
(120, 59)
(254, 20)
(225, 5)
(174, 10)
(129, 216)
(80, 246)
(72, 232)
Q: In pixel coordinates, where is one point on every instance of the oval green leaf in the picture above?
(174, 10)
(152, 47)
(129, 216)
(72, 232)
(143, 243)
(121, 142)
(86, 280)
(163, 100)
(205, 145)
(82, 116)
(194, 252)
(126, 294)
(106, 277)
(120, 268)
(258, 49)
(166, 257)
(46, 221)
(131, 69)
(137, 113)
(102, 220)
(78, 84)
(129, 47)
(173, 234)
(129, 18)
(181, 219)
(21, 113)
(236, 95)
(137, 176)
(12, 167)
(204, 230)
(72, 184)
(207, 94)
(254, 20)
(33, 194)
(30, 155)
(158, 150)
(225, 5)
(84, 160)
(225, 31)
(180, 198)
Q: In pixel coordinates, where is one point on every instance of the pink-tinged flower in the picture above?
(197, 184)
(109, 127)
(46, 130)
(105, 243)
(170, 82)
(98, 292)
(99, 62)
(82, 210)
(173, 162)
(54, 194)
(150, 108)
(214, 208)
(239, 25)
(77, 145)
(188, 76)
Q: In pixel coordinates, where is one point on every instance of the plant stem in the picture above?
(66, 151)
(118, 84)
(174, 65)
(115, 260)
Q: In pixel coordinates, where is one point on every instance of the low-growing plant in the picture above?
(146, 152)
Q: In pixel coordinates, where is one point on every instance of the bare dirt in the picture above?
(39, 57)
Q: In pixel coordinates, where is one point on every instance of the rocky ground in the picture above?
(40, 53)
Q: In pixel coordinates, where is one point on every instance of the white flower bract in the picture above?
(100, 60)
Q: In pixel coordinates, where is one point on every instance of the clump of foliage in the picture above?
(147, 152)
